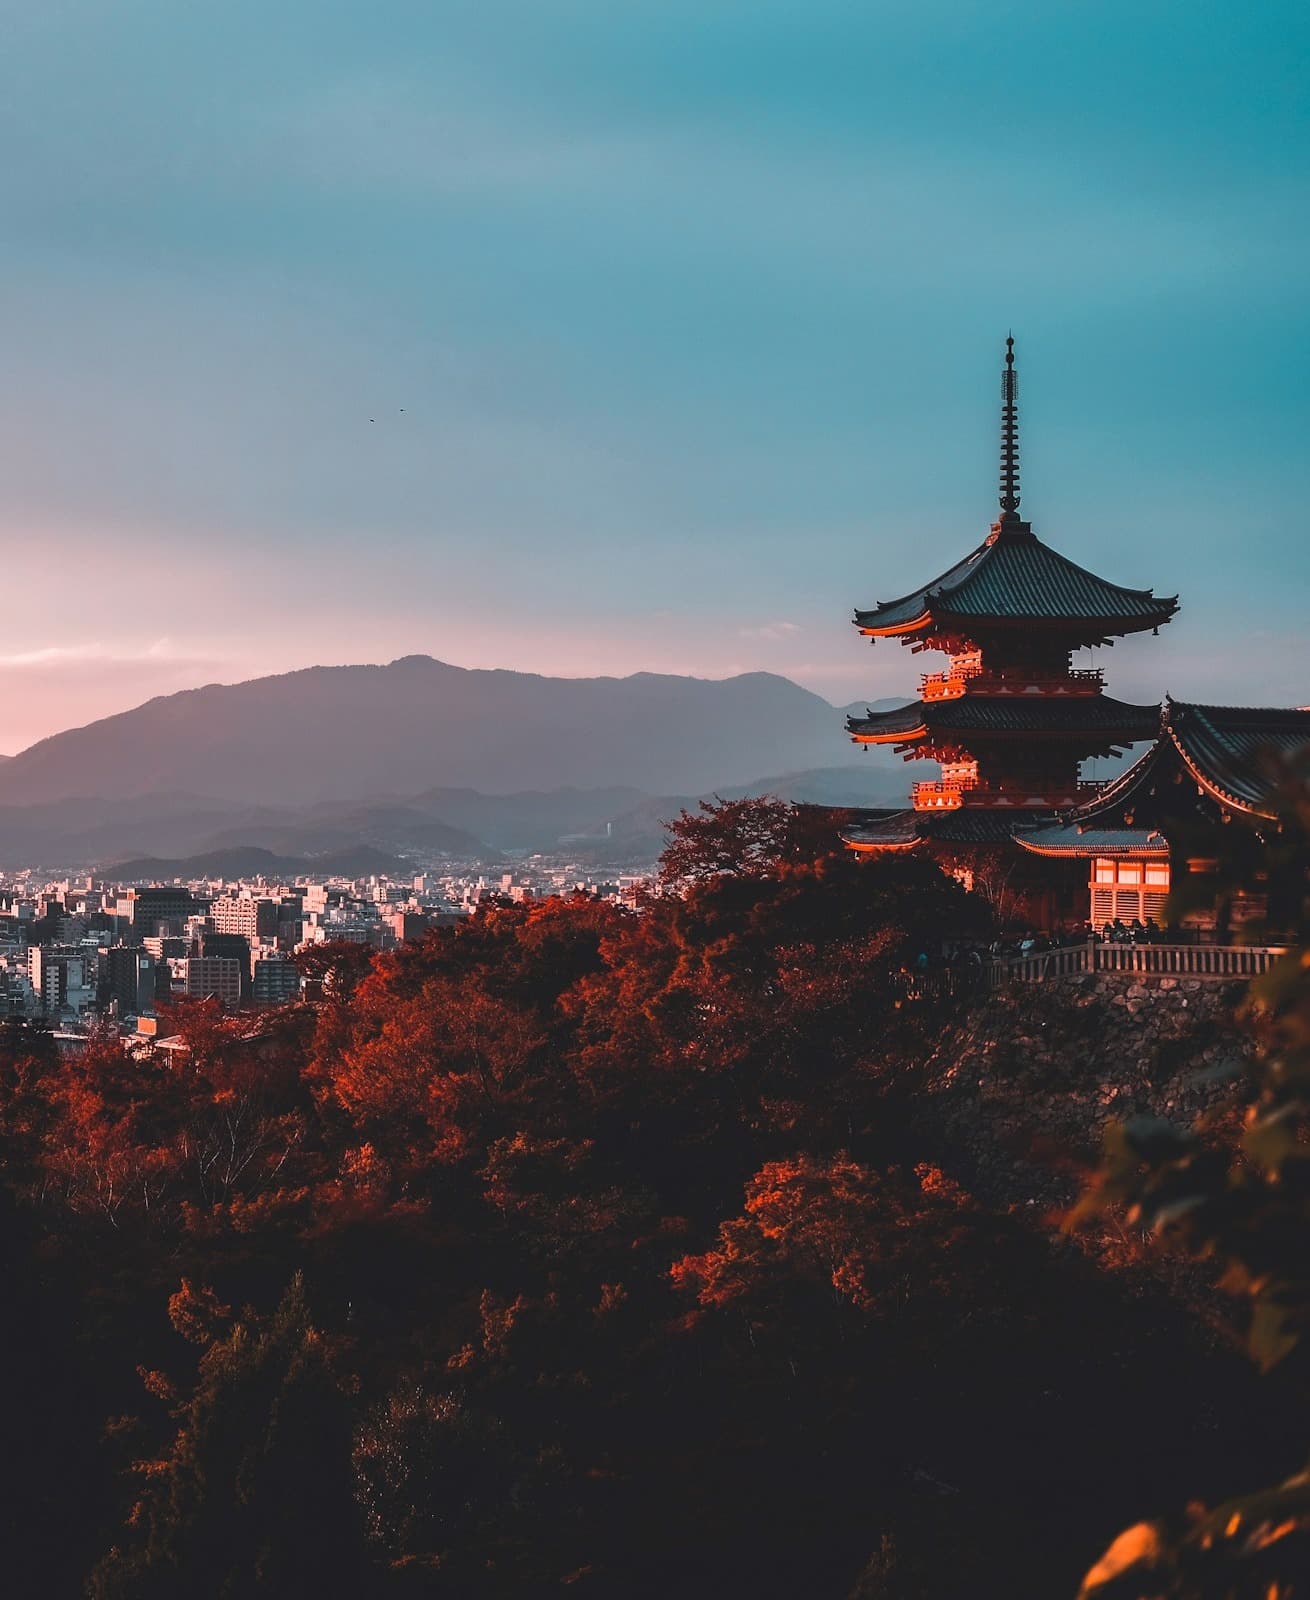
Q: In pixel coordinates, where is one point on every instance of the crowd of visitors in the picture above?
(962, 961)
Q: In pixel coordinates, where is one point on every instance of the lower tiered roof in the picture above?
(905, 830)
(1066, 839)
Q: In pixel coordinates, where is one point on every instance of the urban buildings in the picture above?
(77, 952)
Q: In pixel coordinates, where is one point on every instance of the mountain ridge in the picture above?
(348, 733)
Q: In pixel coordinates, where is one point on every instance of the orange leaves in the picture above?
(198, 1314)
(748, 837)
(1138, 1547)
(434, 1072)
(832, 1223)
(365, 1169)
(158, 1384)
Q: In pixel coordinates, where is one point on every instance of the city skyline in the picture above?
(558, 340)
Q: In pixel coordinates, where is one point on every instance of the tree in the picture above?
(1246, 1207)
(748, 837)
(255, 1495)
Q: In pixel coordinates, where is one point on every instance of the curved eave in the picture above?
(865, 848)
(907, 736)
(944, 620)
(1144, 850)
(988, 719)
(1120, 791)
(898, 630)
(1214, 789)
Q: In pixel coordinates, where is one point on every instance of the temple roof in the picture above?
(1235, 750)
(1233, 753)
(904, 830)
(1065, 839)
(1009, 715)
(1013, 579)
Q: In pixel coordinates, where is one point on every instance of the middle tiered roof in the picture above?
(1011, 716)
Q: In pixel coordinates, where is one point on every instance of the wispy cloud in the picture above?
(770, 630)
(93, 652)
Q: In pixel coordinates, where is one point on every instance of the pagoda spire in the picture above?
(1009, 435)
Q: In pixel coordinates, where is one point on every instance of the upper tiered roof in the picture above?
(1013, 580)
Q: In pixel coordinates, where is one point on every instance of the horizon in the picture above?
(337, 666)
(331, 666)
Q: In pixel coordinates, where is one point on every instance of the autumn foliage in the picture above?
(571, 1249)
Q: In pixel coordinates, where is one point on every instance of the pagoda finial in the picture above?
(1009, 433)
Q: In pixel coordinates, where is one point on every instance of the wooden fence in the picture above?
(1215, 962)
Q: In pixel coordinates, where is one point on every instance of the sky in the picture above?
(581, 337)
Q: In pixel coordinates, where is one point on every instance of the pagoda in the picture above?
(1010, 719)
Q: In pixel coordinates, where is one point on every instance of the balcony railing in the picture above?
(947, 685)
(978, 680)
(950, 794)
(1156, 960)
(1213, 963)
(939, 796)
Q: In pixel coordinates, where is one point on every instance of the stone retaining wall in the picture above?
(1025, 1082)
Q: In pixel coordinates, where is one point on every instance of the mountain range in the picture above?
(352, 733)
(424, 759)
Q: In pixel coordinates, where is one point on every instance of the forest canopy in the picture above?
(574, 1248)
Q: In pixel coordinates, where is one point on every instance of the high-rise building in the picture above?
(235, 946)
(206, 977)
(127, 976)
(242, 914)
(273, 979)
(161, 908)
(60, 979)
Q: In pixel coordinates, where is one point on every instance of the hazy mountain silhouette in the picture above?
(248, 862)
(83, 832)
(340, 734)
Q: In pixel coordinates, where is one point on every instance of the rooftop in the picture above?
(1012, 579)
(1009, 716)
(903, 830)
(1067, 839)
(1236, 755)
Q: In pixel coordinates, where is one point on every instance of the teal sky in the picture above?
(680, 325)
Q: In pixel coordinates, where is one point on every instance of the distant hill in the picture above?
(640, 833)
(97, 833)
(341, 734)
(248, 862)
(405, 829)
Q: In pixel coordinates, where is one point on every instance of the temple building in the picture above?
(1010, 720)
(1197, 819)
